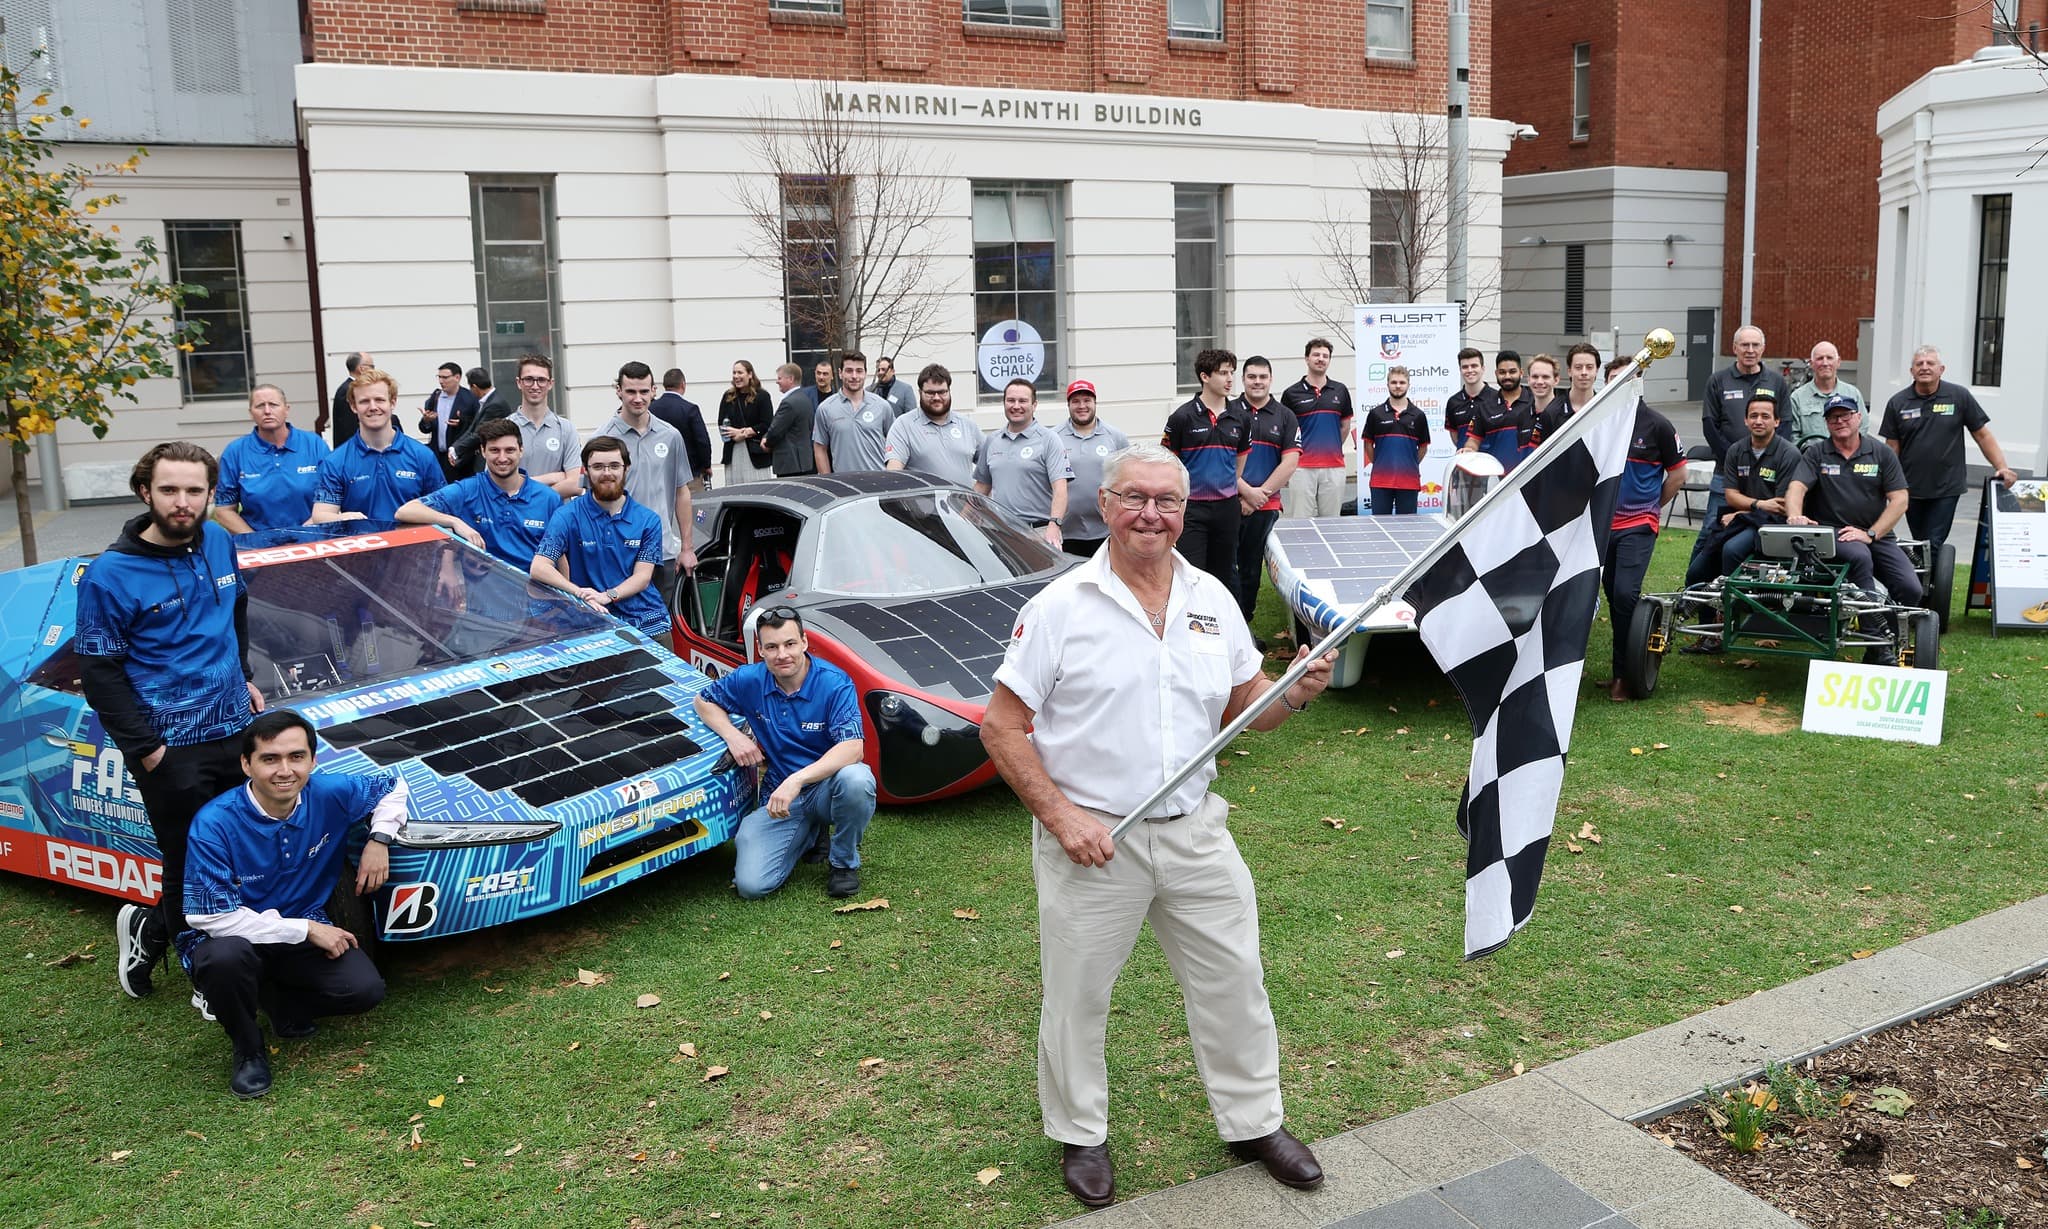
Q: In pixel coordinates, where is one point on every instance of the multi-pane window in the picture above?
(1202, 19)
(518, 279)
(813, 312)
(1575, 290)
(1391, 246)
(1994, 244)
(1389, 29)
(1582, 90)
(1029, 14)
(1197, 277)
(833, 8)
(1018, 271)
(209, 255)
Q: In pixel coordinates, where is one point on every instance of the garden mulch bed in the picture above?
(1968, 1152)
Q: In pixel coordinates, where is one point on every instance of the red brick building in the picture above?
(1654, 96)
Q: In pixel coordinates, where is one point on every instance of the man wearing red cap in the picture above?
(1090, 443)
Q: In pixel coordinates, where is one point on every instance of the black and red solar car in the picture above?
(908, 583)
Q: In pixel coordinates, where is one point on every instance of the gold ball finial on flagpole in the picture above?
(1660, 343)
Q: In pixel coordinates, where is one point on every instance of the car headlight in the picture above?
(924, 747)
(432, 834)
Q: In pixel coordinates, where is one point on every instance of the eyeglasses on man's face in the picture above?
(607, 467)
(536, 379)
(1135, 501)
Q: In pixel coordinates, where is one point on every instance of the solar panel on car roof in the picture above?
(574, 728)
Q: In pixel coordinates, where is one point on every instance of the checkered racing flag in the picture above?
(1506, 614)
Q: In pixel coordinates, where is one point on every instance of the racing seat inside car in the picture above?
(763, 551)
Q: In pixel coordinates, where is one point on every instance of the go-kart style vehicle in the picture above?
(551, 753)
(1791, 599)
(909, 583)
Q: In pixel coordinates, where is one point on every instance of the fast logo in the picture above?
(499, 883)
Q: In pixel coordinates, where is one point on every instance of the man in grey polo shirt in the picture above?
(934, 441)
(1090, 443)
(550, 440)
(897, 393)
(851, 431)
(659, 475)
(1023, 467)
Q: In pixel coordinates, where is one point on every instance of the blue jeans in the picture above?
(769, 847)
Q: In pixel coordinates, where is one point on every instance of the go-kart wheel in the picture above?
(1639, 666)
(353, 913)
(1941, 583)
(1921, 633)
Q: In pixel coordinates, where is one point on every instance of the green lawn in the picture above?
(117, 1111)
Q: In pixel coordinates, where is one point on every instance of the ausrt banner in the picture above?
(1424, 338)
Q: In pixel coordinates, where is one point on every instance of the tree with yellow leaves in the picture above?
(82, 319)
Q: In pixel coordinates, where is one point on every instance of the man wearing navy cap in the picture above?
(1859, 487)
(804, 723)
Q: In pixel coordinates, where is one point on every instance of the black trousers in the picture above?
(1621, 573)
(1082, 548)
(1209, 538)
(1252, 533)
(186, 779)
(1884, 560)
(293, 984)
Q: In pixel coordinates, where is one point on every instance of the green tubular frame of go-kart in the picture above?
(1789, 608)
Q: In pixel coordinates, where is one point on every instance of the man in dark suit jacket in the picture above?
(686, 418)
(462, 453)
(344, 411)
(446, 415)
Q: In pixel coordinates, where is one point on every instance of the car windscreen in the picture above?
(933, 542)
(347, 619)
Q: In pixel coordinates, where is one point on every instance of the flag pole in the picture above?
(1658, 343)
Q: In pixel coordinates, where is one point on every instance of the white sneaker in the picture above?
(199, 1003)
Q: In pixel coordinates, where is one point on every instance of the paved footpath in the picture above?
(1558, 1148)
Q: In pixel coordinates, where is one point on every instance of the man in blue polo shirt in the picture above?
(610, 544)
(377, 470)
(804, 718)
(1212, 437)
(263, 863)
(267, 477)
(162, 644)
(500, 510)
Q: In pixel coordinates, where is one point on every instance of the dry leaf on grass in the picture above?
(586, 977)
(1396, 954)
(687, 1049)
(414, 1142)
(988, 1175)
(1998, 1045)
(1635, 750)
(66, 961)
(725, 977)
(1333, 821)
(514, 1150)
(122, 1155)
(647, 1000)
(1735, 908)
(575, 1046)
(864, 906)
(1573, 846)
(869, 1064)
(767, 1015)
(437, 1101)
(714, 1073)
(1863, 954)
(835, 945)
(967, 915)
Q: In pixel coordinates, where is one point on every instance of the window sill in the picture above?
(1200, 46)
(1584, 140)
(506, 8)
(1402, 63)
(797, 17)
(1029, 34)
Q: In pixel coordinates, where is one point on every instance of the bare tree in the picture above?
(1396, 252)
(846, 216)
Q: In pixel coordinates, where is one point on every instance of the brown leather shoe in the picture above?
(1090, 1176)
(1285, 1157)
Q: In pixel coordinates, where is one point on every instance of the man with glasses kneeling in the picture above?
(805, 724)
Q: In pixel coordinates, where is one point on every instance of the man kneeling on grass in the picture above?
(261, 866)
(804, 718)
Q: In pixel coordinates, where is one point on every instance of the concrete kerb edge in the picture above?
(1943, 1003)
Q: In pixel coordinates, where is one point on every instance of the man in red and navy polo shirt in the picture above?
(1655, 471)
(1275, 451)
(1212, 437)
(1322, 410)
(1392, 441)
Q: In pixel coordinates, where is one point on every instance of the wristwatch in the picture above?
(383, 838)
